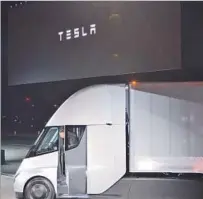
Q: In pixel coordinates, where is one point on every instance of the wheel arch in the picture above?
(38, 176)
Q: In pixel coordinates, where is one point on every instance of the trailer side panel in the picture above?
(166, 133)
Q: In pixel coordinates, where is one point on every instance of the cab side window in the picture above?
(73, 136)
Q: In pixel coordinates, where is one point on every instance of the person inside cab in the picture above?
(61, 143)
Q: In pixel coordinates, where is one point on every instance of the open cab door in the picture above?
(72, 162)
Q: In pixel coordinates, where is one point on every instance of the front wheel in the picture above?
(39, 188)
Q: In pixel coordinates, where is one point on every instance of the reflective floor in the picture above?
(15, 150)
(7, 188)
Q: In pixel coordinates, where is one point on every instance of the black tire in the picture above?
(39, 188)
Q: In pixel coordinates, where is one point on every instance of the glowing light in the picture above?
(115, 55)
(114, 16)
(198, 166)
(27, 99)
(133, 83)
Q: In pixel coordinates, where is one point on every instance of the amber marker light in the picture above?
(133, 83)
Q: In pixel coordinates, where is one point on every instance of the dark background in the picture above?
(192, 35)
(142, 37)
(26, 108)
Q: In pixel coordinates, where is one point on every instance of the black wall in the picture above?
(4, 57)
(192, 35)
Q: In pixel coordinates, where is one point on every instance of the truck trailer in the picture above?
(136, 140)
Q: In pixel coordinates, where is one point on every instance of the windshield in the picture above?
(49, 142)
(39, 137)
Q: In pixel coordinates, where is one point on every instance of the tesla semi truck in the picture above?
(140, 140)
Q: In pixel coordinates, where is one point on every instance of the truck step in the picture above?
(62, 189)
(73, 196)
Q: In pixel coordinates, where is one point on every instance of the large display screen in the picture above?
(53, 41)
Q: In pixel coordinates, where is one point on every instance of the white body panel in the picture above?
(106, 160)
(166, 131)
(43, 165)
(92, 105)
(106, 148)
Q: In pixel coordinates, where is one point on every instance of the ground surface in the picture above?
(7, 188)
(15, 150)
(16, 147)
